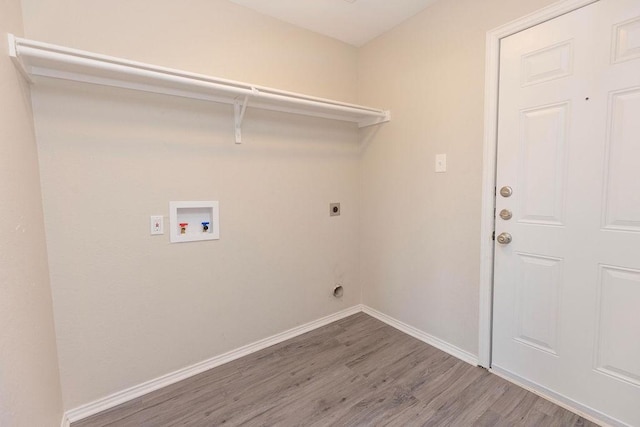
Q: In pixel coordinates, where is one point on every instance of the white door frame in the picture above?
(492, 66)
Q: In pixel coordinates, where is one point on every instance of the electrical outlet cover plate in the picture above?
(156, 224)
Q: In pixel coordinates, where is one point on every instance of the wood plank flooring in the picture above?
(354, 372)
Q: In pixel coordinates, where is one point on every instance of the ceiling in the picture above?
(353, 21)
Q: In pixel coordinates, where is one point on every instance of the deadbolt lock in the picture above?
(504, 238)
(506, 214)
(506, 191)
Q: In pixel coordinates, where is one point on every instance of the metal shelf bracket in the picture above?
(239, 108)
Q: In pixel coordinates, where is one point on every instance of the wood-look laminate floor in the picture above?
(354, 372)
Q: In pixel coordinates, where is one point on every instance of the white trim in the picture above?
(131, 393)
(423, 336)
(118, 398)
(559, 399)
(123, 396)
(492, 65)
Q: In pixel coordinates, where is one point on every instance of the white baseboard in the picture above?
(118, 398)
(559, 399)
(131, 393)
(123, 396)
(423, 336)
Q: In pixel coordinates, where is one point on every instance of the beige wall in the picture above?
(214, 37)
(29, 380)
(420, 248)
(130, 307)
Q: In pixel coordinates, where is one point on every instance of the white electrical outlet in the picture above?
(441, 162)
(156, 224)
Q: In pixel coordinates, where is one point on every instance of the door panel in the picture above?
(566, 310)
(547, 64)
(543, 166)
(538, 291)
(627, 40)
(622, 212)
(618, 347)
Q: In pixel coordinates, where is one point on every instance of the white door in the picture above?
(567, 287)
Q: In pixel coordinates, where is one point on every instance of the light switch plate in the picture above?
(441, 162)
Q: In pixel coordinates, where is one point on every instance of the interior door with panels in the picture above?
(567, 257)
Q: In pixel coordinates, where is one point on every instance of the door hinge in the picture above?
(493, 235)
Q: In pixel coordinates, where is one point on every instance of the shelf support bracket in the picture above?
(239, 108)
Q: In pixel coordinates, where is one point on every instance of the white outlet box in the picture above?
(193, 221)
(441, 163)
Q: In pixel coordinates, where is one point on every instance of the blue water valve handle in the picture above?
(205, 227)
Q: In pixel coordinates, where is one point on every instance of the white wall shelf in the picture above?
(47, 60)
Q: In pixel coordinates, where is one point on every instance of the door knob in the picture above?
(505, 214)
(506, 191)
(504, 238)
